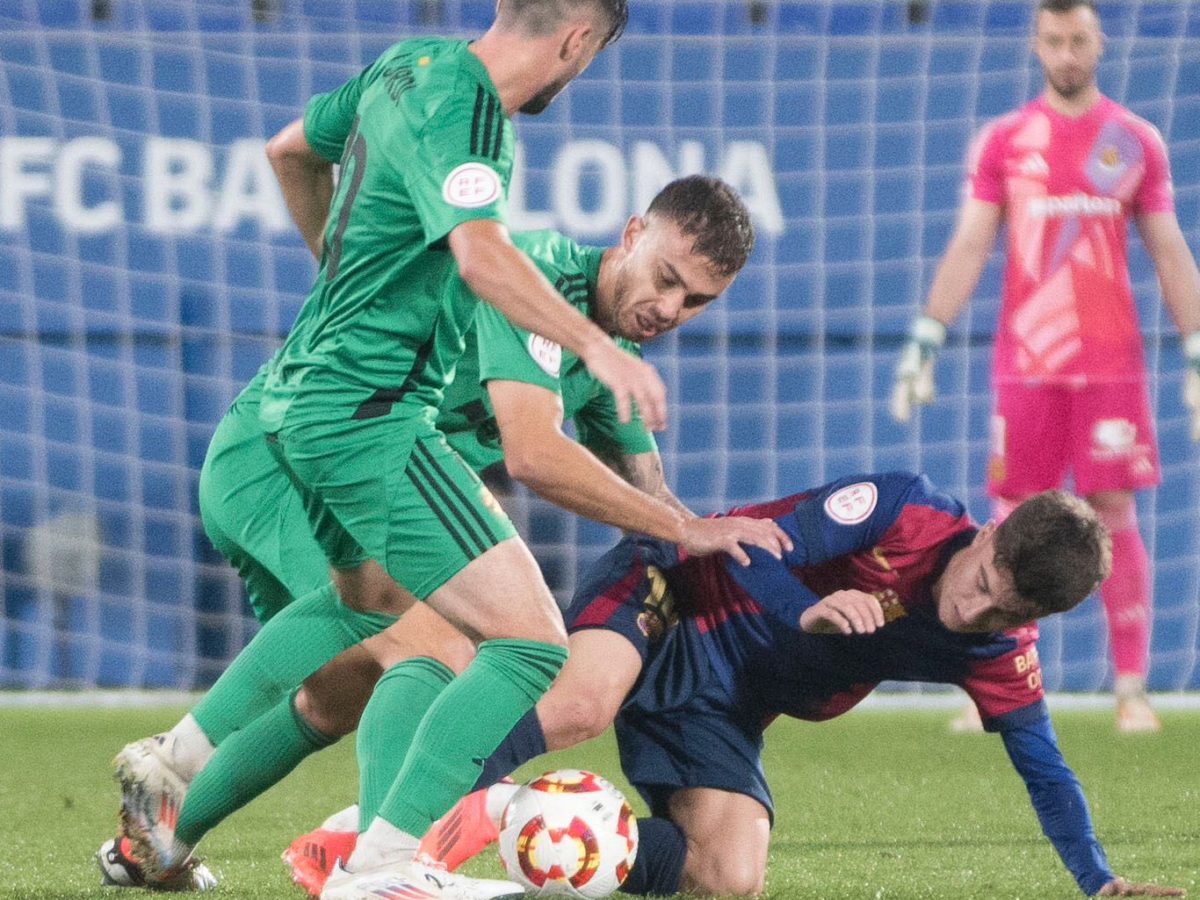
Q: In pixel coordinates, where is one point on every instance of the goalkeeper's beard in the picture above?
(1068, 87)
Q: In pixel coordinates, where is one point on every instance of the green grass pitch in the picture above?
(878, 804)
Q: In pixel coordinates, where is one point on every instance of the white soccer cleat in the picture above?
(152, 793)
(1136, 716)
(967, 721)
(119, 868)
(415, 880)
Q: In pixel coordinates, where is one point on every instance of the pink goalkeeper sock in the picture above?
(1126, 596)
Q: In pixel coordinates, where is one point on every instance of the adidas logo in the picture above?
(1034, 164)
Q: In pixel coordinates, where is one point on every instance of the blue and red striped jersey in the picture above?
(890, 535)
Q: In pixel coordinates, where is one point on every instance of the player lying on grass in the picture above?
(693, 657)
(669, 265)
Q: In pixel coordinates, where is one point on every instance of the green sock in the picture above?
(309, 632)
(464, 725)
(388, 724)
(245, 765)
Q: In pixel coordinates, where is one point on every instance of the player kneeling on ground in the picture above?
(888, 579)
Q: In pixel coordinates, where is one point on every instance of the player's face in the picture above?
(1069, 46)
(579, 48)
(973, 594)
(660, 283)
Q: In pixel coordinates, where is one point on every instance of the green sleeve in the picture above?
(459, 168)
(329, 118)
(509, 353)
(602, 432)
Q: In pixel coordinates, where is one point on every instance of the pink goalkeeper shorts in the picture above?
(1101, 432)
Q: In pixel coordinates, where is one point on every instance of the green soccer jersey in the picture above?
(424, 146)
(498, 349)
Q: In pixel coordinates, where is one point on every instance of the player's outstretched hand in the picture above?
(843, 612)
(1119, 887)
(727, 533)
(632, 381)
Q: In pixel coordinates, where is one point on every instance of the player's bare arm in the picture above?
(962, 263)
(645, 472)
(1178, 275)
(843, 612)
(306, 179)
(502, 275)
(1180, 282)
(955, 280)
(539, 455)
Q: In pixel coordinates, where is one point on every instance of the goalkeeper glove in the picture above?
(914, 371)
(1191, 381)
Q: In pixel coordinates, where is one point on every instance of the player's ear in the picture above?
(634, 229)
(574, 41)
(984, 533)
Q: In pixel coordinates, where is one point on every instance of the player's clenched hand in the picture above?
(632, 381)
(914, 371)
(704, 536)
(843, 612)
(1119, 887)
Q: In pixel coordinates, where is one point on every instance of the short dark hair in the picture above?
(1064, 6)
(711, 211)
(543, 16)
(1056, 550)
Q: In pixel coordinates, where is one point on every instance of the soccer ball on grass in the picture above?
(569, 833)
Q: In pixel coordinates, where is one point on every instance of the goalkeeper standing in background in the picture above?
(1066, 172)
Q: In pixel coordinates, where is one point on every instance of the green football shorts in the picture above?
(254, 515)
(391, 489)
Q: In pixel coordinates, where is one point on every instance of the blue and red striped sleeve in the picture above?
(846, 516)
(1055, 793)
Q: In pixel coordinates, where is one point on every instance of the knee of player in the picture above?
(456, 653)
(323, 712)
(722, 871)
(574, 715)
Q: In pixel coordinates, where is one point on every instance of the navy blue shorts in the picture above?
(679, 727)
(626, 591)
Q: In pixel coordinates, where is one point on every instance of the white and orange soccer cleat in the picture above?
(469, 827)
(152, 793)
(119, 867)
(313, 856)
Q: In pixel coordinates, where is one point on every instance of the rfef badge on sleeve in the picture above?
(546, 354)
(852, 504)
(471, 186)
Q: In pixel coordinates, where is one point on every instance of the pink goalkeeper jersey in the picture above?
(1068, 187)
